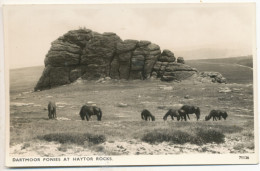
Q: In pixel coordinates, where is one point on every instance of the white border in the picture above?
(2, 90)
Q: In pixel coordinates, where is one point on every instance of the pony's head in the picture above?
(166, 115)
(178, 117)
(225, 115)
(207, 118)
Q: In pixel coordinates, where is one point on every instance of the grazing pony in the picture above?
(88, 111)
(172, 113)
(191, 110)
(52, 110)
(216, 114)
(146, 115)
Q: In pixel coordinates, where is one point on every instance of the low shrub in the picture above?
(74, 138)
(180, 137)
(209, 136)
(177, 137)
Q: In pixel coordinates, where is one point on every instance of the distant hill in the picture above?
(235, 69)
(242, 60)
(213, 53)
(24, 79)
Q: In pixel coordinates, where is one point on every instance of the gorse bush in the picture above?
(177, 137)
(75, 138)
(180, 137)
(209, 136)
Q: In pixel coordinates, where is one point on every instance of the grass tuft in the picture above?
(75, 138)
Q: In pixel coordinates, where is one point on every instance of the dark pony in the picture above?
(88, 111)
(52, 110)
(172, 113)
(191, 110)
(216, 114)
(146, 115)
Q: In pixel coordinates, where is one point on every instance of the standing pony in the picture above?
(191, 110)
(146, 115)
(88, 111)
(52, 110)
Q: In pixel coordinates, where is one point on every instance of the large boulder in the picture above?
(84, 54)
(167, 56)
(170, 71)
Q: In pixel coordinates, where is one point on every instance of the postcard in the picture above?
(130, 84)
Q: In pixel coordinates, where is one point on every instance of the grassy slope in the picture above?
(125, 123)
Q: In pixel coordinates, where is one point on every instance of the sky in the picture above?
(190, 30)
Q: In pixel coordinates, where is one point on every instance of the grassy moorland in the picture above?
(236, 70)
(121, 130)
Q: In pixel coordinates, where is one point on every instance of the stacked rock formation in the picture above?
(168, 70)
(90, 55)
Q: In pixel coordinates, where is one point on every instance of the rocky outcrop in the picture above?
(214, 77)
(90, 55)
(180, 60)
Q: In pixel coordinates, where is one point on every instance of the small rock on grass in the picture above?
(122, 105)
(187, 97)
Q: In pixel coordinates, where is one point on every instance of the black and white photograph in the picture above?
(130, 84)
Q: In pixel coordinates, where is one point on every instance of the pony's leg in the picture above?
(188, 116)
(87, 117)
(99, 117)
(49, 114)
(55, 113)
(172, 117)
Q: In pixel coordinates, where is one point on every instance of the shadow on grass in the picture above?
(75, 138)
